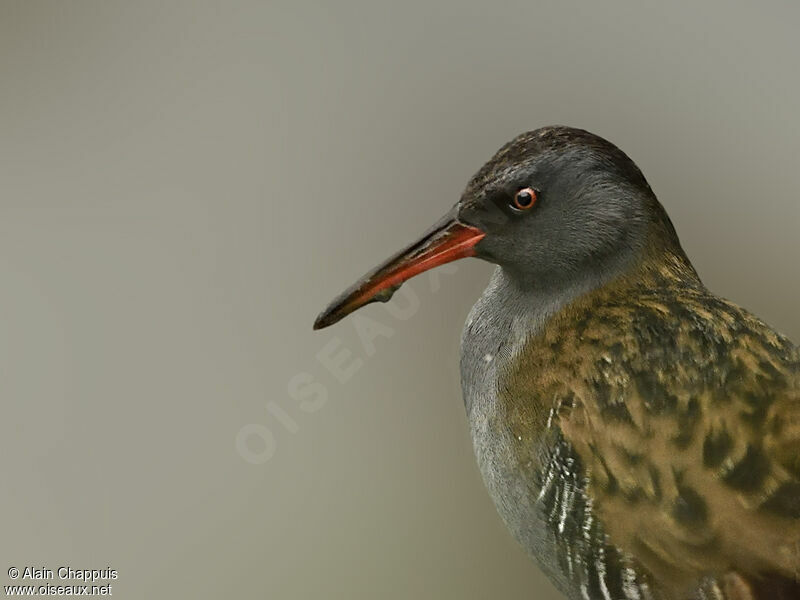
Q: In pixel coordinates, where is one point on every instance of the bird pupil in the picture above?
(524, 198)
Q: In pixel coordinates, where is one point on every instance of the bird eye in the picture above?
(525, 198)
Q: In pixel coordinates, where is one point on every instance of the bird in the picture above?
(638, 434)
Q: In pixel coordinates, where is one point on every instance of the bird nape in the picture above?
(639, 435)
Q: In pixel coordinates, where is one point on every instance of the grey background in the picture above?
(184, 185)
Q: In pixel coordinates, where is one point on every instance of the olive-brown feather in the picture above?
(685, 413)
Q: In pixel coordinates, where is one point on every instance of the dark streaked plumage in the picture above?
(682, 411)
(640, 436)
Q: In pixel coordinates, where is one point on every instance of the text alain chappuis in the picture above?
(63, 581)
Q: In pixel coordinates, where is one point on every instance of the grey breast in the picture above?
(496, 329)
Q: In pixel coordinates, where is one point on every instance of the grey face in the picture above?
(593, 208)
(587, 212)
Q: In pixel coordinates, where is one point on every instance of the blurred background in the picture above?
(184, 185)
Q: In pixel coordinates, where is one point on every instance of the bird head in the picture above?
(552, 206)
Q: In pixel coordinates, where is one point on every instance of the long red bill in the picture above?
(447, 241)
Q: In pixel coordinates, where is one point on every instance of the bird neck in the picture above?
(514, 308)
(658, 261)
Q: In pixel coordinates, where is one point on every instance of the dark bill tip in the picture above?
(447, 241)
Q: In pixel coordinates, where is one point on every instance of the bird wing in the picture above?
(685, 412)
